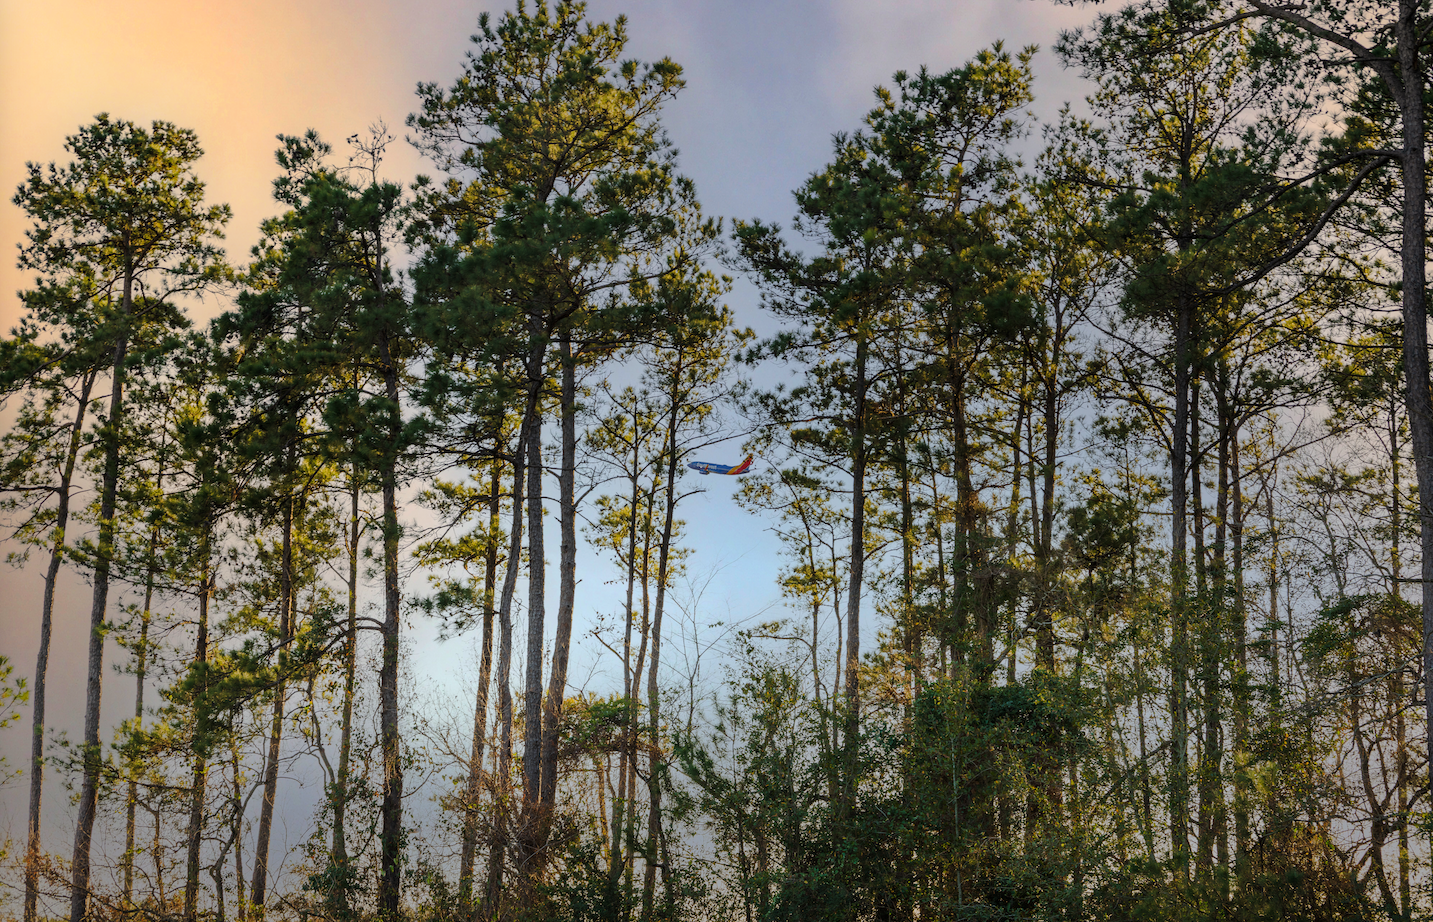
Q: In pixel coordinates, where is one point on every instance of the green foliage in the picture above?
(14, 693)
(1067, 713)
(128, 206)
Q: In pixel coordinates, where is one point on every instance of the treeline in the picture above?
(1096, 480)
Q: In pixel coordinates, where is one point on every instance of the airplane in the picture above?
(706, 467)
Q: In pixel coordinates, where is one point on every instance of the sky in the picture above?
(768, 83)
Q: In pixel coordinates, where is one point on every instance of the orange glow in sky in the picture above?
(237, 73)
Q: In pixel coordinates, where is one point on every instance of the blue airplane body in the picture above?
(706, 467)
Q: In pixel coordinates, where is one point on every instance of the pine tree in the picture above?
(124, 222)
(40, 452)
(573, 199)
(1199, 217)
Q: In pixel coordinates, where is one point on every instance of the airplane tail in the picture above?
(741, 468)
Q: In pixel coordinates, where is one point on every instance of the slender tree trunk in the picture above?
(258, 889)
(1399, 690)
(972, 578)
(216, 874)
(1405, 863)
(635, 739)
(1378, 826)
(1415, 313)
(857, 574)
(338, 849)
(1210, 636)
(656, 769)
(391, 839)
(620, 852)
(131, 799)
(1218, 647)
(937, 525)
(911, 628)
(528, 831)
(141, 669)
(1179, 590)
(497, 845)
(1045, 637)
(42, 659)
(1275, 676)
(1242, 693)
(89, 787)
(1146, 796)
(196, 794)
(567, 592)
(644, 518)
(241, 908)
(1210, 607)
(823, 709)
(156, 852)
(1051, 777)
(1018, 431)
(480, 709)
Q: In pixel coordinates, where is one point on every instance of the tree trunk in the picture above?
(567, 591)
(141, 658)
(259, 887)
(89, 788)
(656, 768)
(42, 659)
(1226, 603)
(241, 909)
(1051, 778)
(857, 573)
(131, 798)
(974, 596)
(1399, 690)
(644, 519)
(1241, 691)
(1415, 314)
(196, 795)
(391, 840)
(1179, 590)
(1045, 632)
(528, 831)
(480, 709)
(619, 850)
(338, 849)
(497, 845)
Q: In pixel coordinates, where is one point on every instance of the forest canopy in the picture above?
(1098, 454)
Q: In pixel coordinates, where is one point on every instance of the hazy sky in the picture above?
(767, 85)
